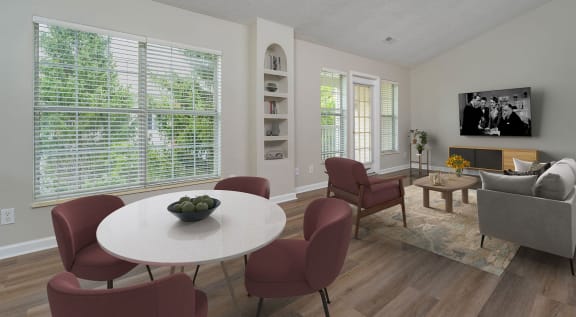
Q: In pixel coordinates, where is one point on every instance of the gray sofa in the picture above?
(533, 211)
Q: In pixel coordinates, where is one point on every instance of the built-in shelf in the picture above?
(276, 116)
(277, 73)
(275, 138)
(276, 95)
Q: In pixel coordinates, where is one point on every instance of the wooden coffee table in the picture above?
(450, 184)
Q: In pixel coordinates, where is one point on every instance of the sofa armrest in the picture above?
(544, 224)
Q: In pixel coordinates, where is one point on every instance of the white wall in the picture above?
(538, 50)
(310, 59)
(138, 17)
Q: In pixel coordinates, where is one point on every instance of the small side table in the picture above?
(423, 162)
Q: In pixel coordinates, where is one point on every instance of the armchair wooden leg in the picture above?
(110, 284)
(324, 303)
(259, 306)
(327, 297)
(482, 241)
(357, 225)
(572, 266)
(403, 213)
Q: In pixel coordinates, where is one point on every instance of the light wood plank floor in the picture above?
(381, 277)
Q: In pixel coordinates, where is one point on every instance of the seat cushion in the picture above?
(93, 263)
(278, 270)
(380, 192)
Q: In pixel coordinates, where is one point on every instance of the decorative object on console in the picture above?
(458, 163)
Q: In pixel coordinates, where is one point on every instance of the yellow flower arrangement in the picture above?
(457, 162)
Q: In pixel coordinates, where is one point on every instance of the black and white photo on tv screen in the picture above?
(505, 112)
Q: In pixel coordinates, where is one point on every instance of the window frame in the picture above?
(140, 110)
(394, 116)
(342, 113)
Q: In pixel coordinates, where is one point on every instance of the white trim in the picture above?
(311, 187)
(183, 46)
(86, 28)
(31, 246)
(393, 169)
(331, 70)
(284, 198)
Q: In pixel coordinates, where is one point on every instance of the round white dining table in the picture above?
(146, 232)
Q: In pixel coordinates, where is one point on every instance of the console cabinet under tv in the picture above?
(497, 159)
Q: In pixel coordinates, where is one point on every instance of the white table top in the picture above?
(145, 232)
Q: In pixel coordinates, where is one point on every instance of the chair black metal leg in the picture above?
(110, 284)
(260, 301)
(324, 303)
(245, 261)
(149, 272)
(195, 274)
(572, 266)
(327, 297)
(482, 241)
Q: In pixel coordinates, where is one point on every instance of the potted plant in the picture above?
(458, 163)
(420, 138)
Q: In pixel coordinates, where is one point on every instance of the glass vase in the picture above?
(459, 172)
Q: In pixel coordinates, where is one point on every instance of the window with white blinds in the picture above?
(333, 114)
(114, 113)
(388, 116)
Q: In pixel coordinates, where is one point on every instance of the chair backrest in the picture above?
(328, 228)
(346, 174)
(172, 296)
(75, 223)
(246, 184)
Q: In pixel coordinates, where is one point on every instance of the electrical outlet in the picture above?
(7, 216)
(297, 171)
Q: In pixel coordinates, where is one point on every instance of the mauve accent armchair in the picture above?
(172, 296)
(75, 223)
(348, 180)
(290, 267)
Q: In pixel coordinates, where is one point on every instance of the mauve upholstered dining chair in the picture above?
(75, 223)
(172, 296)
(348, 180)
(246, 184)
(291, 267)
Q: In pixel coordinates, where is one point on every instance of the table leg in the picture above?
(448, 198)
(465, 195)
(426, 197)
(230, 288)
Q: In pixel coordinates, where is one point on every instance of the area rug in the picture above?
(453, 235)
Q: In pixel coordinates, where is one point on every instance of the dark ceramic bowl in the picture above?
(194, 215)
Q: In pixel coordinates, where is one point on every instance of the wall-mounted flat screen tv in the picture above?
(505, 112)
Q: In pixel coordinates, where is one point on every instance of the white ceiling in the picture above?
(421, 29)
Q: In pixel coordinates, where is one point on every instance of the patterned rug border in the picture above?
(453, 235)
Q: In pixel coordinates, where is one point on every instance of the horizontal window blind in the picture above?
(115, 113)
(332, 111)
(388, 116)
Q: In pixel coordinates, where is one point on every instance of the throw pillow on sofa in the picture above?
(522, 185)
(556, 183)
(535, 169)
(525, 166)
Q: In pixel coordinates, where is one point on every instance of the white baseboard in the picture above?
(16, 249)
(283, 198)
(311, 187)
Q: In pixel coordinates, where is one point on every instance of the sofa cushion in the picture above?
(570, 162)
(522, 185)
(556, 183)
